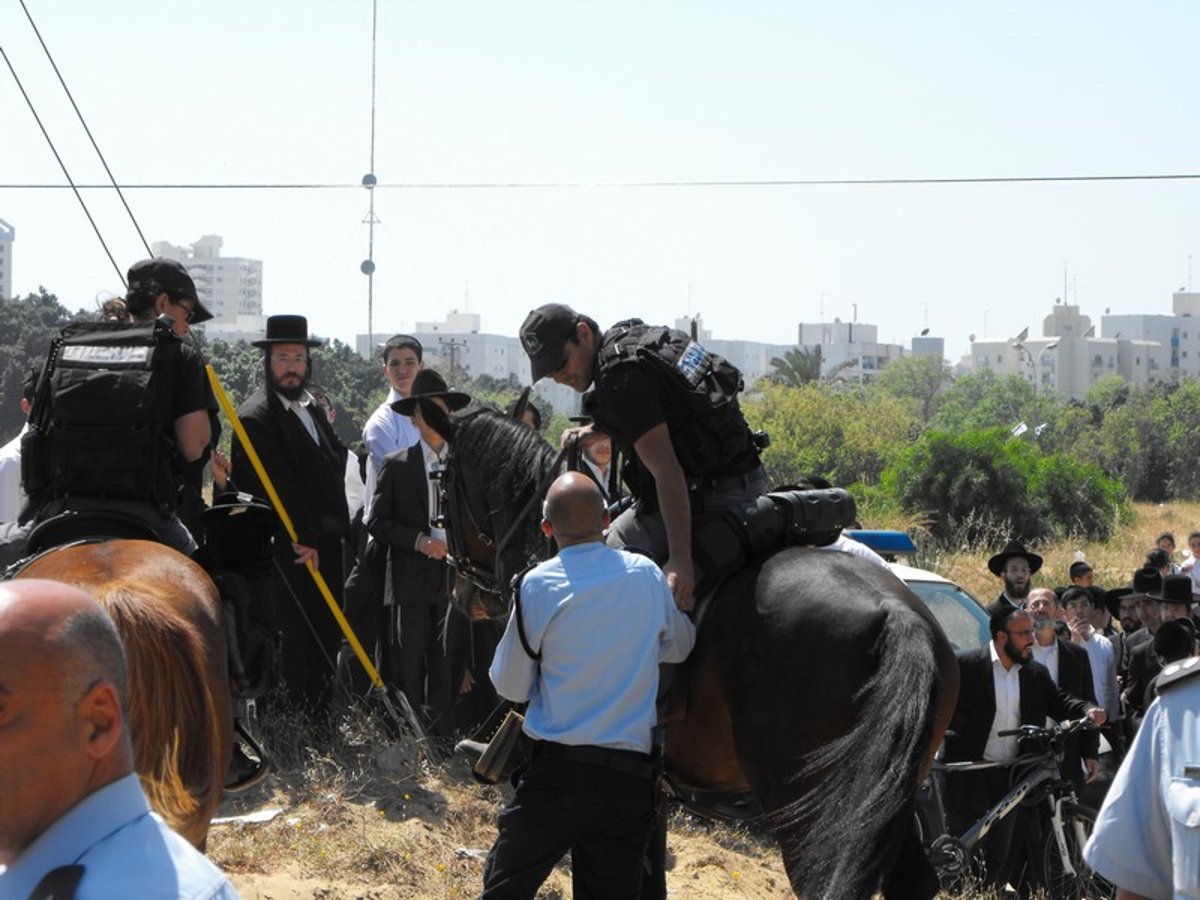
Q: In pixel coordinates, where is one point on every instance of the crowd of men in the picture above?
(368, 524)
(1062, 653)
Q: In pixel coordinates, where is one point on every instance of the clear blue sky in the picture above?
(613, 92)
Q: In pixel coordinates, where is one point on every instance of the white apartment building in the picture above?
(8, 235)
(1068, 360)
(851, 348)
(229, 286)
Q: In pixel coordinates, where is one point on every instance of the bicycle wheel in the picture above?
(1076, 880)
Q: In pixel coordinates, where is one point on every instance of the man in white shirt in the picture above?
(12, 498)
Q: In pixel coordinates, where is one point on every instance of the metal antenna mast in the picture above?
(367, 267)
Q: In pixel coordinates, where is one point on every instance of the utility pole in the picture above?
(454, 345)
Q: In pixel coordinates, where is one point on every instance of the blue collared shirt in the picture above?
(603, 620)
(1147, 834)
(386, 432)
(126, 850)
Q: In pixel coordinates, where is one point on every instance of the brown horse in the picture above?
(819, 682)
(167, 611)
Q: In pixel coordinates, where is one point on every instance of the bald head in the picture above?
(62, 685)
(575, 510)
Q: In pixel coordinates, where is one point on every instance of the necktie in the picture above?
(59, 884)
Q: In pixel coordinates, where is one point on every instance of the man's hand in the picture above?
(1081, 631)
(681, 578)
(1093, 769)
(581, 433)
(433, 548)
(1097, 715)
(304, 554)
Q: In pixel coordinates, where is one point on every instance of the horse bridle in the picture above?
(485, 578)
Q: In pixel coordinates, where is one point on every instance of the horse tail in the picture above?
(872, 770)
(169, 697)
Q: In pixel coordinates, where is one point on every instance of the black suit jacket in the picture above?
(976, 708)
(399, 515)
(1075, 677)
(310, 478)
(1143, 666)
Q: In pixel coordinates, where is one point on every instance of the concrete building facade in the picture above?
(851, 350)
(230, 286)
(8, 236)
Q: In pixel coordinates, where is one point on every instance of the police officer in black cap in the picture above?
(120, 408)
(672, 407)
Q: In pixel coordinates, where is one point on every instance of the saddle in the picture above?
(73, 526)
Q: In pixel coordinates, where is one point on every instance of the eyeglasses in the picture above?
(289, 359)
(1024, 632)
(188, 307)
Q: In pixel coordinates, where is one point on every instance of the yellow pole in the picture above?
(265, 480)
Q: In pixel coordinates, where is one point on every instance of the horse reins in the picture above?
(462, 563)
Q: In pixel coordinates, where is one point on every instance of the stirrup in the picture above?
(246, 772)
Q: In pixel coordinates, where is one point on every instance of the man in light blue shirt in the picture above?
(1147, 835)
(598, 622)
(73, 816)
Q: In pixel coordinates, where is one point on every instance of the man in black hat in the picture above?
(401, 518)
(672, 407)
(120, 410)
(1143, 664)
(306, 463)
(1016, 566)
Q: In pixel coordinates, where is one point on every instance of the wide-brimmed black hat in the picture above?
(1174, 640)
(426, 386)
(1112, 600)
(166, 276)
(1013, 549)
(544, 334)
(1146, 581)
(287, 330)
(1175, 589)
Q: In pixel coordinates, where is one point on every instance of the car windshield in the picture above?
(963, 620)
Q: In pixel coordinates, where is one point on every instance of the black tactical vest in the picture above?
(96, 427)
(709, 433)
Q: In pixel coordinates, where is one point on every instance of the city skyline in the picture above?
(670, 142)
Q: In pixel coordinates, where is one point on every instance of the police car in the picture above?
(961, 616)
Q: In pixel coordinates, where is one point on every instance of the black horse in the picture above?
(819, 682)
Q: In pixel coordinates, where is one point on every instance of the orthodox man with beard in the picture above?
(1016, 566)
(306, 463)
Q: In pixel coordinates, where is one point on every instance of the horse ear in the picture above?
(522, 404)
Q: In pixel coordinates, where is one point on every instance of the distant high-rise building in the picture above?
(7, 235)
(229, 286)
(850, 349)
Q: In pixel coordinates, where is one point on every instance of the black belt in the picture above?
(725, 483)
(627, 762)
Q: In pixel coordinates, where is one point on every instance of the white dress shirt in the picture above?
(1008, 710)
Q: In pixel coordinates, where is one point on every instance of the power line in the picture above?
(609, 185)
(112, 178)
(63, 166)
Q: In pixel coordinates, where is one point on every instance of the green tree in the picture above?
(797, 366)
(27, 326)
(985, 400)
(916, 380)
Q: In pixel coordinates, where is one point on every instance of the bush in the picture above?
(968, 487)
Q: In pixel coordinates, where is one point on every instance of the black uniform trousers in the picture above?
(603, 817)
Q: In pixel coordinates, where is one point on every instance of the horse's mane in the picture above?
(516, 459)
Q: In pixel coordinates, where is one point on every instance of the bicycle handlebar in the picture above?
(1069, 727)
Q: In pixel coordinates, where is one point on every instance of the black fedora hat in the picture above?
(287, 330)
(426, 386)
(1112, 600)
(1011, 550)
(1146, 581)
(1175, 589)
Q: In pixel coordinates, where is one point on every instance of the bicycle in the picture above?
(1037, 780)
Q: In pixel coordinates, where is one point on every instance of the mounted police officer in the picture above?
(120, 406)
(671, 406)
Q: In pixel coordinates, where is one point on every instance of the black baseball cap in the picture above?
(166, 276)
(544, 334)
